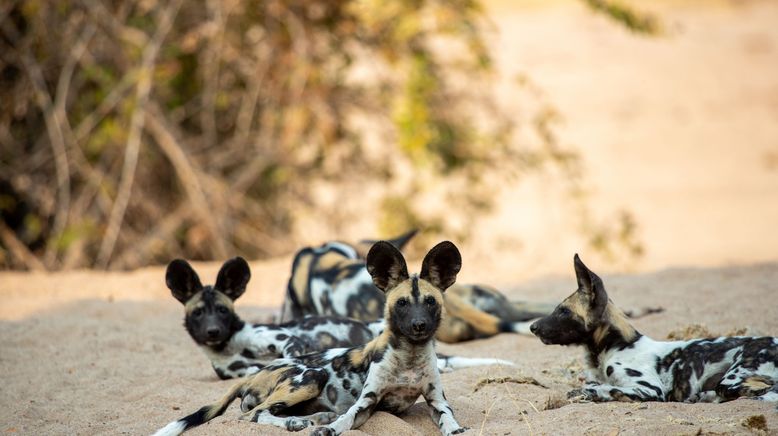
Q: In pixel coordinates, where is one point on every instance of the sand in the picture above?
(116, 359)
(680, 130)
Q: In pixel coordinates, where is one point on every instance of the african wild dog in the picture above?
(236, 348)
(627, 366)
(342, 387)
(332, 280)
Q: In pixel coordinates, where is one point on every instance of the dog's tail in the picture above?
(450, 363)
(399, 242)
(640, 312)
(517, 327)
(205, 414)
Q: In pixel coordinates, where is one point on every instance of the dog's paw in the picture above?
(324, 418)
(575, 393)
(460, 430)
(297, 424)
(323, 431)
(580, 395)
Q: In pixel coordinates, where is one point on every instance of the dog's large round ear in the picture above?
(386, 266)
(441, 265)
(591, 285)
(233, 277)
(182, 280)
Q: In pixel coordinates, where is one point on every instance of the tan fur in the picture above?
(197, 301)
(466, 292)
(452, 330)
(330, 260)
(463, 291)
(613, 317)
(460, 315)
(404, 290)
(372, 305)
(579, 305)
(216, 408)
(285, 392)
(300, 278)
(619, 321)
(757, 383)
(360, 355)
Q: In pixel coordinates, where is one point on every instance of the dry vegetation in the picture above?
(131, 132)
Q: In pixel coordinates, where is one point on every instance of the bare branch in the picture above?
(18, 249)
(56, 137)
(188, 173)
(136, 126)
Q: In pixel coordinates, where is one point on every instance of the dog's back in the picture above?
(331, 280)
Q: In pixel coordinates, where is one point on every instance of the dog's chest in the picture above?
(410, 378)
(403, 387)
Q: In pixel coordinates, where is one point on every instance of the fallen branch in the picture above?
(499, 380)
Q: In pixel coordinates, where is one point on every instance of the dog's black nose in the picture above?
(534, 327)
(213, 332)
(419, 326)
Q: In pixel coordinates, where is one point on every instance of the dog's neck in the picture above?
(398, 346)
(614, 331)
(401, 343)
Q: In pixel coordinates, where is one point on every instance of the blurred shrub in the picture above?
(629, 17)
(132, 132)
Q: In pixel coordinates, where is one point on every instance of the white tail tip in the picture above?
(175, 428)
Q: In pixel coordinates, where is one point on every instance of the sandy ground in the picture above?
(681, 130)
(108, 364)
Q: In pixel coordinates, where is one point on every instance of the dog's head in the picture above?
(575, 320)
(414, 304)
(210, 316)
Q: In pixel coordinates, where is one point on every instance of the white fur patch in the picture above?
(175, 428)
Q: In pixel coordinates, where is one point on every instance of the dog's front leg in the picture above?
(358, 413)
(605, 392)
(353, 418)
(440, 410)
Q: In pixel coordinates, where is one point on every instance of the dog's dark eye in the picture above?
(222, 310)
(430, 300)
(564, 311)
(197, 312)
(402, 302)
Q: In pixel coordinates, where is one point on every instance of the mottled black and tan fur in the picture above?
(332, 280)
(341, 388)
(237, 348)
(628, 366)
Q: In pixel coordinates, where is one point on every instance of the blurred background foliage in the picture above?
(132, 132)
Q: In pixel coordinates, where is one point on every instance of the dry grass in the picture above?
(757, 423)
(701, 331)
